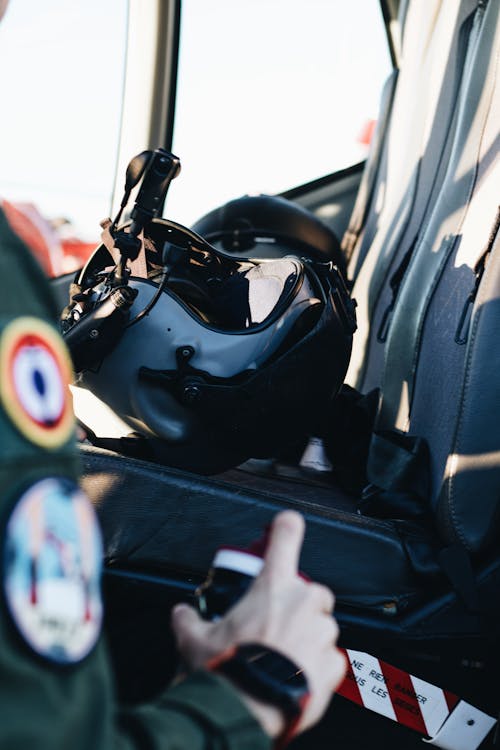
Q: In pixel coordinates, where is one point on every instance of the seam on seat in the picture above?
(459, 224)
(428, 212)
(458, 436)
(390, 411)
(396, 234)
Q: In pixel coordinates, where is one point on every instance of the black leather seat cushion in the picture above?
(160, 519)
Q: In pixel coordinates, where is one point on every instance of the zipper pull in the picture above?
(385, 323)
(462, 332)
(395, 284)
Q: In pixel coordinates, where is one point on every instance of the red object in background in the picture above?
(76, 253)
(56, 254)
(37, 234)
(366, 134)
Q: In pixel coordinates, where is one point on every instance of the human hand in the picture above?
(281, 611)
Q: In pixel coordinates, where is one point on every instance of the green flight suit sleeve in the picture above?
(49, 708)
(201, 712)
(44, 705)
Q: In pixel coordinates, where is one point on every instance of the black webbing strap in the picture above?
(398, 467)
(398, 475)
(134, 446)
(399, 462)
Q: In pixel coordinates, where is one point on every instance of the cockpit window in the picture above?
(62, 64)
(272, 94)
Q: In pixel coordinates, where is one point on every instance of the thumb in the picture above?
(285, 542)
(187, 625)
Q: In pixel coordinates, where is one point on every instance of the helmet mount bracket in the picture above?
(156, 169)
(90, 334)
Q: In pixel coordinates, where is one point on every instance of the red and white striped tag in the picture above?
(449, 722)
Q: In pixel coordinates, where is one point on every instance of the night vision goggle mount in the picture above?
(100, 303)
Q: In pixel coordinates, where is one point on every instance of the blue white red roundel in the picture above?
(52, 568)
(35, 372)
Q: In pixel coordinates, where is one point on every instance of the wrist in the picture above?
(271, 685)
(270, 718)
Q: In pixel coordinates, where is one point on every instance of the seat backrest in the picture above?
(441, 374)
(436, 42)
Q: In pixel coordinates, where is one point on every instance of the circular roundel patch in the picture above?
(35, 371)
(52, 568)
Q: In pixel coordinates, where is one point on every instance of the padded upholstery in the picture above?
(417, 146)
(433, 386)
(167, 520)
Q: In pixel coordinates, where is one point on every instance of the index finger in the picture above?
(285, 542)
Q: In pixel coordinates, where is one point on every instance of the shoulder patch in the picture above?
(35, 372)
(52, 569)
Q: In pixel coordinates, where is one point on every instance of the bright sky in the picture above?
(61, 67)
(291, 84)
(271, 93)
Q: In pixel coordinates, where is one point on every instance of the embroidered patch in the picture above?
(35, 372)
(52, 568)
